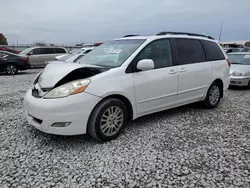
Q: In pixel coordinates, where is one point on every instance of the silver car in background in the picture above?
(240, 69)
(40, 54)
(74, 56)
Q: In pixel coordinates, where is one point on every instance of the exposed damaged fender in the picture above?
(56, 74)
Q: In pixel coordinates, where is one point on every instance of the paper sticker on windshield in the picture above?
(114, 51)
(247, 56)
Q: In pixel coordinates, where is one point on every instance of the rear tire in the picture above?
(248, 86)
(108, 119)
(213, 96)
(10, 69)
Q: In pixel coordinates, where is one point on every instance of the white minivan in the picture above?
(124, 79)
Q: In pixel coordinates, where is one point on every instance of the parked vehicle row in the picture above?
(124, 79)
(231, 50)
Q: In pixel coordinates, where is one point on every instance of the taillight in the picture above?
(229, 63)
(97, 44)
(25, 59)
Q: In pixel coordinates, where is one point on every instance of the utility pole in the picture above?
(220, 30)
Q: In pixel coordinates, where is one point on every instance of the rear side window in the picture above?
(60, 51)
(213, 50)
(189, 51)
(36, 51)
(48, 51)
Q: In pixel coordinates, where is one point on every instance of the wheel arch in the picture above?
(126, 101)
(122, 98)
(221, 86)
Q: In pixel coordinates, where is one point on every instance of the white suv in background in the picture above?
(124, 79)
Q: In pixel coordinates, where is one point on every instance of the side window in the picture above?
(159, 51)
(60, 51)
(36, 51)
(3, 55)
(79, 57)
(189, 51)
(87, 51)
(213, 50)
(48, 51)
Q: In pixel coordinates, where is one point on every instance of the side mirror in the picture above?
(30, 53)
(145, 64)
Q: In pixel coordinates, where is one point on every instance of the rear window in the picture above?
(48, 50)
(189, 51)
(60, 50)
(213, 50)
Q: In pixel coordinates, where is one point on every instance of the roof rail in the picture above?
(130, 36)
(183, 33)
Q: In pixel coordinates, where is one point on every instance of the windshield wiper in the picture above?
(237, 63)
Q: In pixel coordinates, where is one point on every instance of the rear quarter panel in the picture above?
(221, 71)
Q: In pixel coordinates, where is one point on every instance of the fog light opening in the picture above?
(61, 124)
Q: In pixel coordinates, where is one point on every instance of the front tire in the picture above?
(108, 119)
(213, 96)
(248, 86)
(10, 69)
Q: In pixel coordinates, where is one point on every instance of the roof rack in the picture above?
(183, 33)
(130, 36)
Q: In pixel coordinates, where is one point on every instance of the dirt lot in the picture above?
(183, 147)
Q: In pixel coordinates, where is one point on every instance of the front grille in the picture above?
(235, 82)
(35, 93)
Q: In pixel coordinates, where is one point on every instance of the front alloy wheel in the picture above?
(108, 119)
(111, 120)
(11, 69)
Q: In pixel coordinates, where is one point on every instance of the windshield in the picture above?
(75, 51)
(25, 51)
(111, 54)
(242, 59)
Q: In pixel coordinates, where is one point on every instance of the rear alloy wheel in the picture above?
(108, 119)
(213, 96)
(11, 69)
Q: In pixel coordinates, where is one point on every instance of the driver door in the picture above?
(36, 57)
(156, 89)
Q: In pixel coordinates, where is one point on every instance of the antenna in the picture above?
(220, 30)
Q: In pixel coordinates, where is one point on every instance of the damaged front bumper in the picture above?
(74, 110)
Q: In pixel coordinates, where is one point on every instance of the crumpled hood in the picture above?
(54, 72)
(239, 68)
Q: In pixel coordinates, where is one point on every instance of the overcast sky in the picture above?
(75, 21)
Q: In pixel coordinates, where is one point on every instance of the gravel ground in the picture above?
(183, 147)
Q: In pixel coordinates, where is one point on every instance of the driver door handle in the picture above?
(172, 71)
(182, 70)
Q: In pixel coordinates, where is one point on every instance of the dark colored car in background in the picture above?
(231, 50)
(9, 50)
(11, 63)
